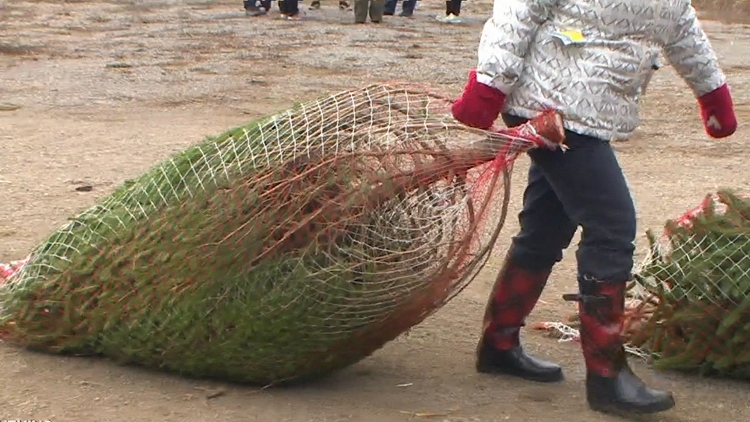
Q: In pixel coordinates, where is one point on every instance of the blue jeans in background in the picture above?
(407, 9)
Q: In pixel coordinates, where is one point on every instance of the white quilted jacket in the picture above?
(597, 79)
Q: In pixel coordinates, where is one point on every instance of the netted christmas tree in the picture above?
(280, 250)
(688, 307)
(692, 309)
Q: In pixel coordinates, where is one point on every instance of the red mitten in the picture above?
(479, 105)
(717, 112)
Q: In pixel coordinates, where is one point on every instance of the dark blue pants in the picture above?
(289, 7)
(408, 7)
(582, 186)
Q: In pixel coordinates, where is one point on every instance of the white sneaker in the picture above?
(449, 19)
(445, 19)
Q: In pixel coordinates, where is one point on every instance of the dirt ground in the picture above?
(107, 88)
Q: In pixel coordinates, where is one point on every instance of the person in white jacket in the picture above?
(590, 60)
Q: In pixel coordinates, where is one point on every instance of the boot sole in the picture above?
(648, 410)
(547, 378)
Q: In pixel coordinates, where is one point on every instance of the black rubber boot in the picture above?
(514, 295)
(611, 385)
(517, 363)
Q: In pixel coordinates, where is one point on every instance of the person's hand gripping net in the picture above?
(480, 105)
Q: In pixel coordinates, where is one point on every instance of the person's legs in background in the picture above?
(407, 8)
(289, 9)
(452, 12)
(372, 8)
(390, 7)
(361, 10)
(292, 8)
(252, 9)
(456, 7)
(376, 10)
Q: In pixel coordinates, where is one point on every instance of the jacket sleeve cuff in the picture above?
(486, 79)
